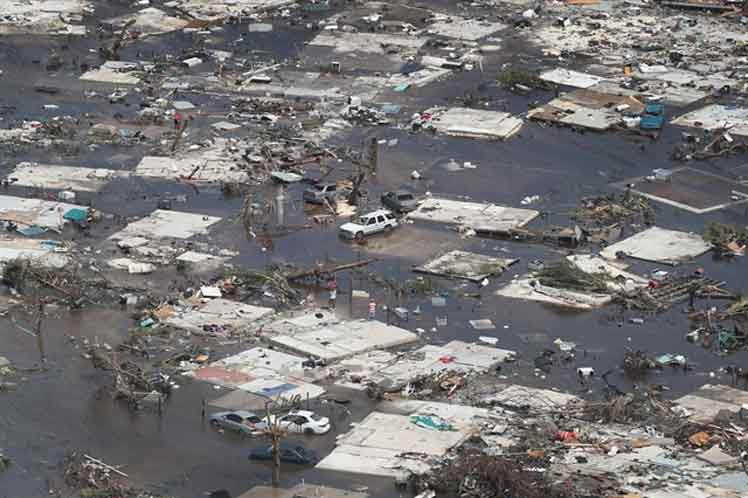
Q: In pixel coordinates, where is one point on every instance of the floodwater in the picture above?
(62, 408)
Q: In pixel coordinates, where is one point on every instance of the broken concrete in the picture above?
(482, 218)
(706, 402)
(262, 372)
(397, 370)
(586, 108)
(167, 224)
(466, 265)
(301, 490)
(568, 77)
(49, 176)
(474, 123)
(115, 73)
(42, 253)
(717, 117)
(660, 246)
(529, 288)
(463, 29)
(388, 444)
(344, 339)
(372, 43)
(149, 21)
(36, 212)
(208, 167)
(58, 17)
(218, 315)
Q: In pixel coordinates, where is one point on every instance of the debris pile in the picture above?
(606, 210)
(130, 382)
(728, 240)
(472, 473)
(93, 478)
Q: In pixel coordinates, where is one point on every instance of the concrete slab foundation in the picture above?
(167, 224)
(660, 246)
(465, 265)
(49, 176)
(474, 123)
(483, 218)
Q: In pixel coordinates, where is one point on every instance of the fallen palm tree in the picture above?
(566, 275)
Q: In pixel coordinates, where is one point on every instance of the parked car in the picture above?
(289, 453)
(316, 194)
(368, 224)
(239, 421)
(400, 201)
(304, 422)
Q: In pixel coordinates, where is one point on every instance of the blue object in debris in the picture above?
(402, 87)
(654, 108)
(654, 115)
(50, 244)
(31, 231)
(147, 322)
(651, 122)
(281, 388)
(76, 214)
(390, 108)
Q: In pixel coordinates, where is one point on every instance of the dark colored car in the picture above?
(400, 201)
(289, 453)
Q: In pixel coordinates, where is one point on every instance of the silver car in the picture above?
(239, 421)
(317, 194)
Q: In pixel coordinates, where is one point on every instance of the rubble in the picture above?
(156, 216)
(588, 109)
(389, 443)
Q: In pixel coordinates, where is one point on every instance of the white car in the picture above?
(368, 224)
(304, 422)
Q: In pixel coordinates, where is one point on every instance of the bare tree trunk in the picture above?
(276, 461)
(39, 333)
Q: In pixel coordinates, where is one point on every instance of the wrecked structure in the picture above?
(558, 312)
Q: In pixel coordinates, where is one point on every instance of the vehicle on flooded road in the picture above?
(399, 201)
(304, 422)
(369, 224)
(243, 422)
(289, 453)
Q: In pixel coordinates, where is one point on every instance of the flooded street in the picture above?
(156, 179)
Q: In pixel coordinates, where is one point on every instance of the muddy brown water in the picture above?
(62, 408)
